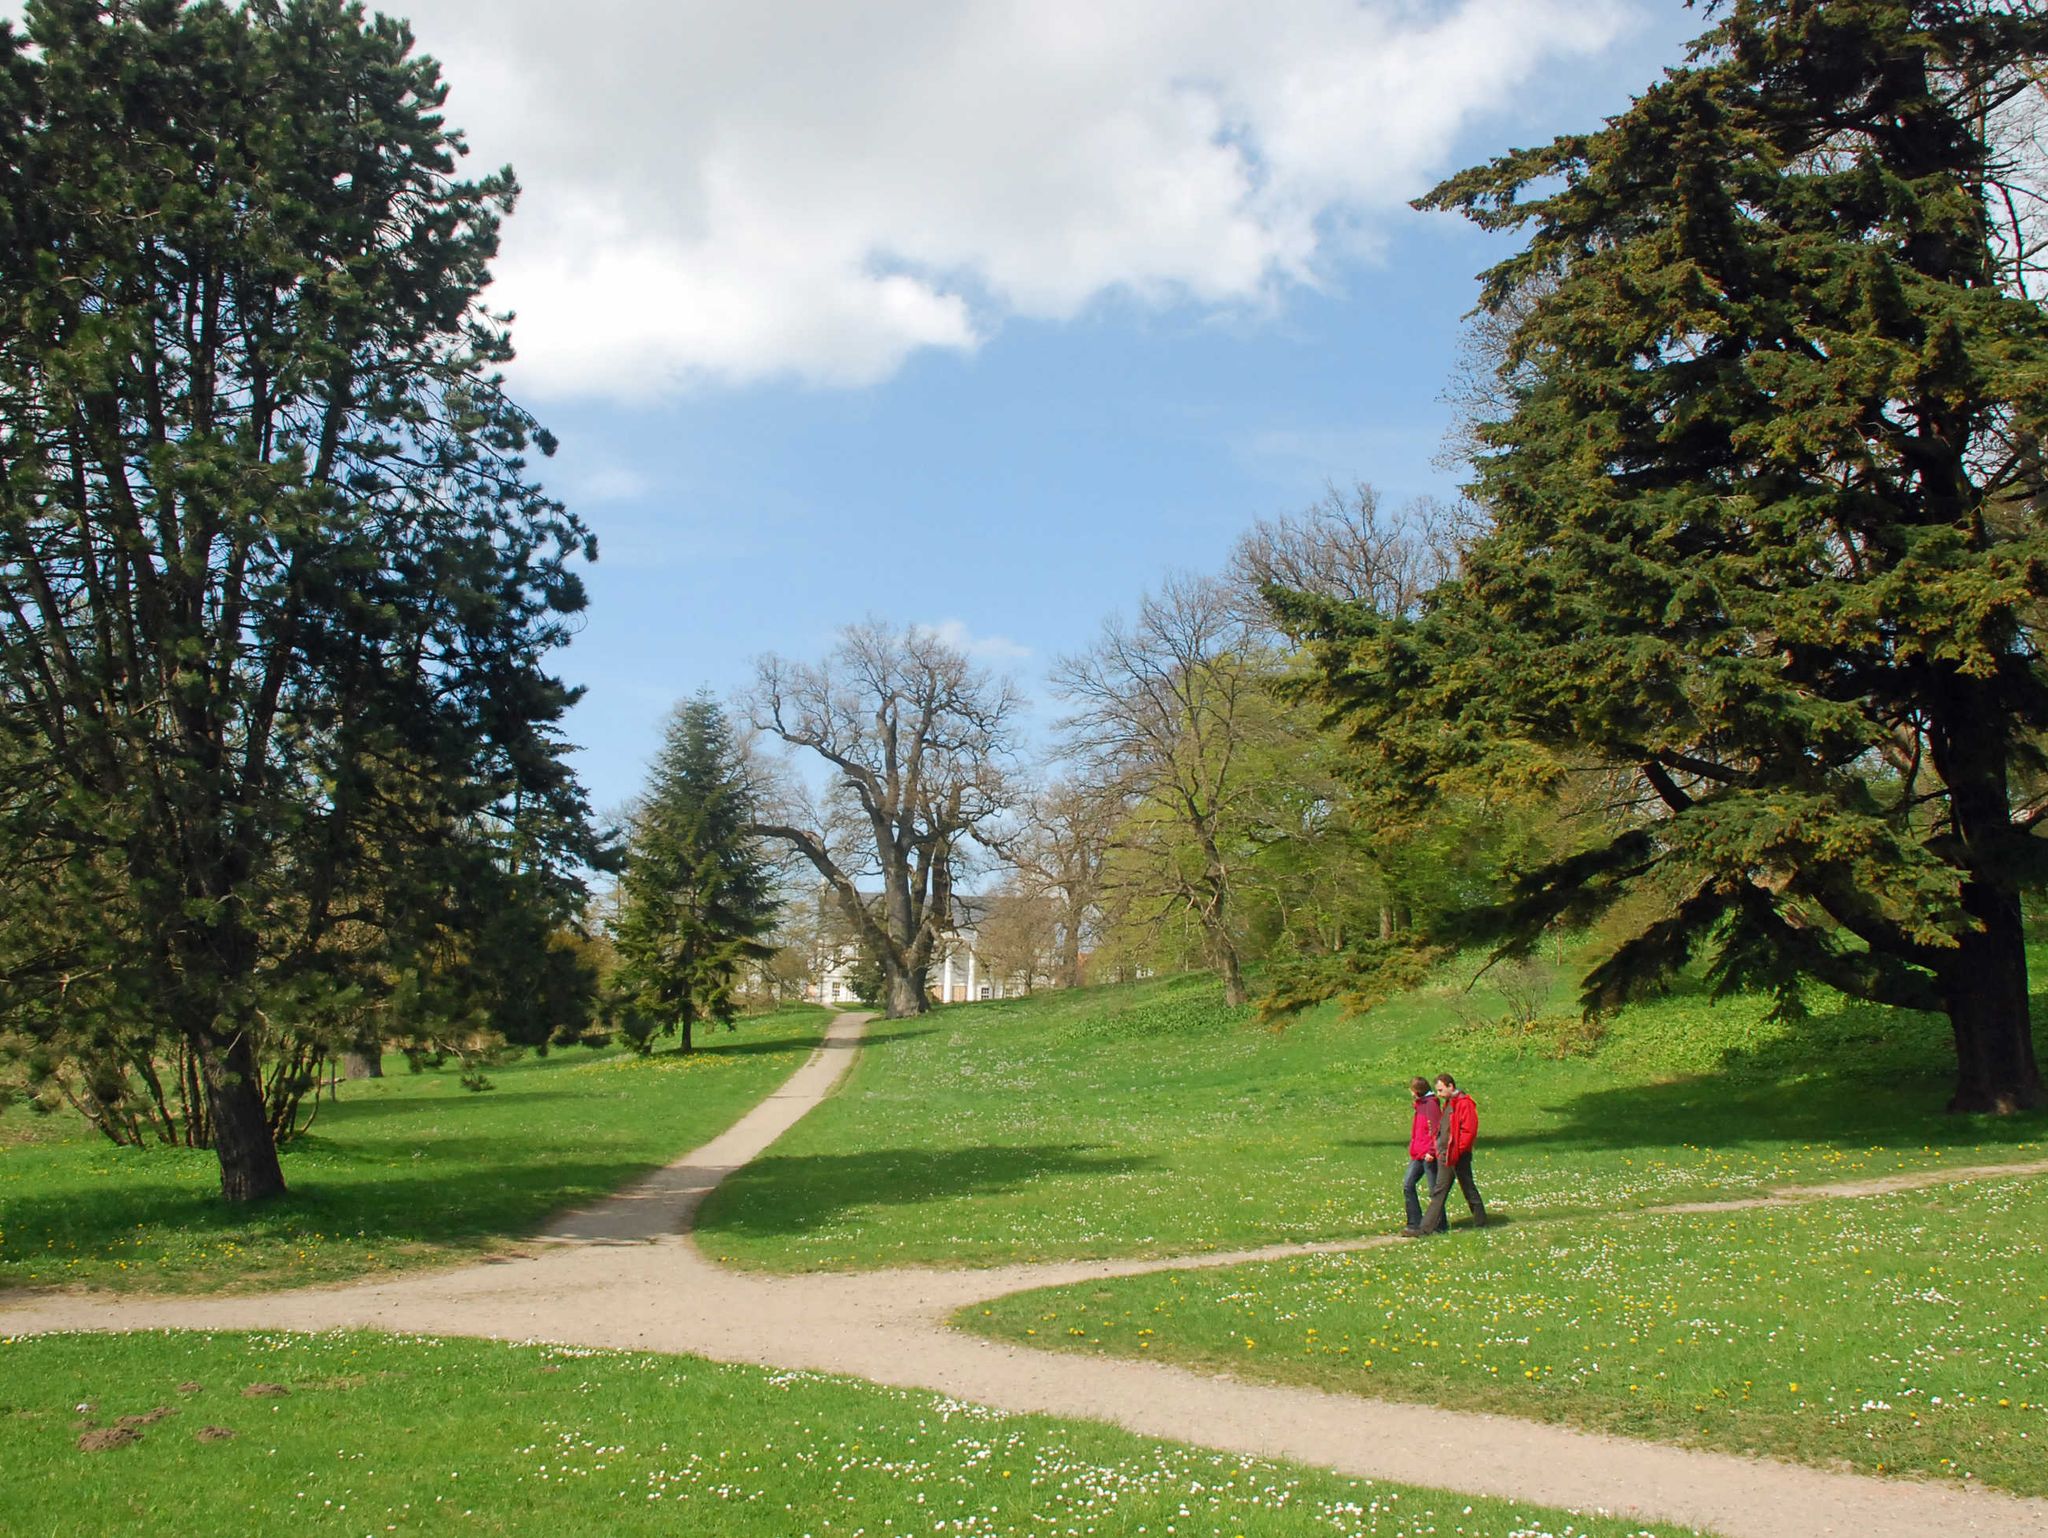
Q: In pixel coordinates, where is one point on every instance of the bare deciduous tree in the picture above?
(915, 742)
(1164, 708)
(1346, 545)
(1057, 850)
(1017, 935)
(1349, 547)
(1488, 371)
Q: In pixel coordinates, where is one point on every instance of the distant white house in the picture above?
(827, 984)
(957, 975)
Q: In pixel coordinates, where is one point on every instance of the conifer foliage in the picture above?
(274, 579)
(696, 896)
(1768, 506)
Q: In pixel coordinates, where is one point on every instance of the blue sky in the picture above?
(1025, 439)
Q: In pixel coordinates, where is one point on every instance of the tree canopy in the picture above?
(274, 577)
(1766, 496)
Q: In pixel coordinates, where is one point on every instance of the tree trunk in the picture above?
(365, 1060)
(687, 1026)
(249, 1171)
(1070, 957)
(906, 998)
(1985, 983)
(192, 1098)
(1985, 989)
(1234, 991)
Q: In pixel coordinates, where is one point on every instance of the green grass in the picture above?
(403, 1171)
(1899, 1334)
(1151, 1119)
(420, 1436)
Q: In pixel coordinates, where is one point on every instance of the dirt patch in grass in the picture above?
(106, 1438)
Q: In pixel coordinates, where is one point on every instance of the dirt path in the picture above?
(625, 1274)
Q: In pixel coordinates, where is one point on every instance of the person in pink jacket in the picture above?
(1422, 1139)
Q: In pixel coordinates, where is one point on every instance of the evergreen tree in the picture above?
(696, 896)
(274, 579)
(1768, 503)
(865, 978)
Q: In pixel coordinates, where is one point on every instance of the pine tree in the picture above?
(696, 896)
(275, 581)
(1768, 525)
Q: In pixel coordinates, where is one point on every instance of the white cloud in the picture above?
(987, 648)
(732, 190)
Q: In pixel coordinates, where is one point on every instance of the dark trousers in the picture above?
(1419, 1172)
(1436, 1217)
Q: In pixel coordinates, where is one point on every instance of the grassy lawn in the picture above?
(1152, 1119)
(1896, 1334)
(375, 1435)
(402, 1171)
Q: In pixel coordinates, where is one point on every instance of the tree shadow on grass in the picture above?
(334, 1113)
(1846, 1110)
(887, 1038)
(712, 1042)
(374, 1191)
(1860, 1077)
(780, 1195)
(373, 1211)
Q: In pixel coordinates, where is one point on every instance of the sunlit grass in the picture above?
(1151, 1119)
(419, 1436)
(405, 1170)
(1893, 1334)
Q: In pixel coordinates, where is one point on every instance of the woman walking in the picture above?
(1422, 1140)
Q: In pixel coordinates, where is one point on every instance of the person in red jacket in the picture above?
(1457, 1131)
(1422, 1133)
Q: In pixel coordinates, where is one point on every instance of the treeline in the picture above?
(1194, 809)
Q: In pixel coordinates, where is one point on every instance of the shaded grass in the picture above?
(433, 1436)
(401, 1171)
(1905, 1333)
(1150, 1119)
